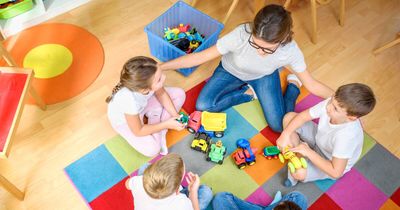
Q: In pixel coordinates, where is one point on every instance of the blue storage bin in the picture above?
(181, 12)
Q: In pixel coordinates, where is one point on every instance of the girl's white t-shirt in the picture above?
(143, 201)
(126, 102)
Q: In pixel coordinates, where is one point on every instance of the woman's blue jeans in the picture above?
(225, 201)
(224, 90)
(205, 194)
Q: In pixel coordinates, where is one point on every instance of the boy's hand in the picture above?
(194, 182)
(172, 123)
(302, 149)
(283, 141)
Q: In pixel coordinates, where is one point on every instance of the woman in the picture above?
(251, 55)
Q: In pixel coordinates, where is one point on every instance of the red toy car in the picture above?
(241, 156)
(194, 122)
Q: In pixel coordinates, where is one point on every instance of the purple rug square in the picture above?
(307, 102)
(260, 197)
(354, 191)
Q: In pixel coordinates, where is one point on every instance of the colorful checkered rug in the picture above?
(373, 183)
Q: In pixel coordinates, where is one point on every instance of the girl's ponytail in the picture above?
(114, 91)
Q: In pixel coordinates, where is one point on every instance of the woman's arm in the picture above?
(313, 85)
(165, 100)
(193, 59)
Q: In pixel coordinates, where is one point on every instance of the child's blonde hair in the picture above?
(164, 177)
(135, 75)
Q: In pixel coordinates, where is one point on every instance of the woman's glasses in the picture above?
(265, 50)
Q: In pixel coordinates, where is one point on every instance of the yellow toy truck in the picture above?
(214, 124)
(294, 162)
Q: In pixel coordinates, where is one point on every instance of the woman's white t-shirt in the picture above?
(143, 201)
(244, 62)
(126, 102)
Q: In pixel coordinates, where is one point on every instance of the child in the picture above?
(159, 187)
(334, 145)
(291, 201)
(140, 93)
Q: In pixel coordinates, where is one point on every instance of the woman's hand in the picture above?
(173, 123)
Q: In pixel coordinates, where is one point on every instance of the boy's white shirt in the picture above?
(343, 141)
(143, 201)
(126, 102)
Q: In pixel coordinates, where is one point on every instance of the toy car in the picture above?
(213, 124)
(294, 162)
(184, 118)
(271, 152)
(201, 142)
(216, 153)
(244, 154)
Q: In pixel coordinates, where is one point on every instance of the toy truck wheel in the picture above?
(269, 157)
(196, 135)
(191, 130)
(252, 163)
(208, 158)
(220, 162)
(281, 158)
(242, 166)
(291, 167)
(303, 162)
(219, 134)
(275, 156)
(224, 152)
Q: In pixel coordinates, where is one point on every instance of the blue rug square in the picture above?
(237, 127)
(95, 173)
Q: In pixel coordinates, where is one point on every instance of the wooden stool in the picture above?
(388, 45)
(313, 6)
(231, 8)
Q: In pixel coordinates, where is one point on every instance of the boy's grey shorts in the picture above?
(307, 134)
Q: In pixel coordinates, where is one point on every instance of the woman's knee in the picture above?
(221, 197)
(204, 104)
(276, 125)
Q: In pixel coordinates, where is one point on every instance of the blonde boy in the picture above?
(160, 187)
(334, 145)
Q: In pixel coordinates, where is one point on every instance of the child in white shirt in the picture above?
(160, 187)
(140, 93)
(334, 145)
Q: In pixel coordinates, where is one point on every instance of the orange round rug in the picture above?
(66, 59)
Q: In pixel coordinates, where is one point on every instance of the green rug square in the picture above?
(127, 157)
(253, 113)
(234, 180)
(369, 142)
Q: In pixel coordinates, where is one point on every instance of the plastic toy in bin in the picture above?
(184, 38)
(181, 13)
(12, 8)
